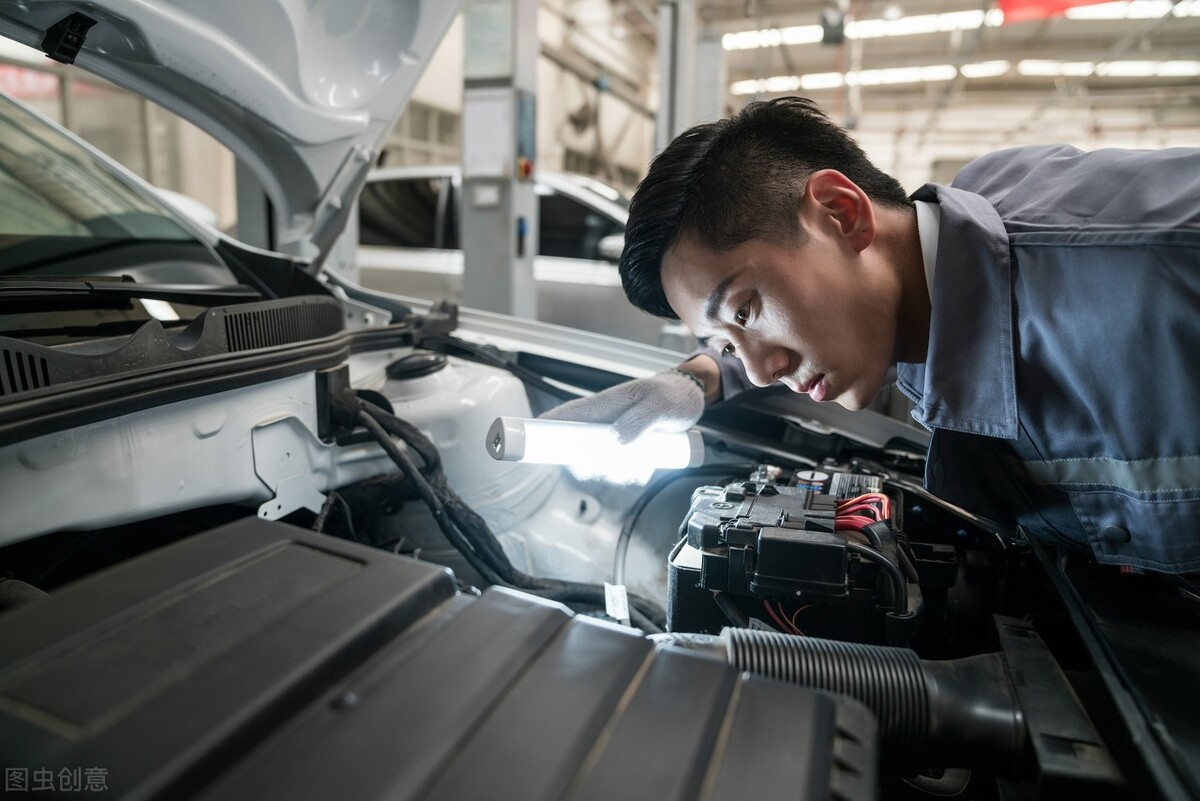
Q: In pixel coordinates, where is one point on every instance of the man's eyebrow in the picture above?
(716, 298)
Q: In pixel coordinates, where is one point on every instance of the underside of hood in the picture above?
(302, 91)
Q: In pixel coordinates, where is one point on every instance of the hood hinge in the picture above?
(65, 38)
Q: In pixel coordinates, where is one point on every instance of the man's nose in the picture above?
(764, 364)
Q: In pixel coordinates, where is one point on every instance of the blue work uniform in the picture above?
(1062, 380)
(1063, 370)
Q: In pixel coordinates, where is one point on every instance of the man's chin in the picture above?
(854, 398)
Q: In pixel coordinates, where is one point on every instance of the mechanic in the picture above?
(1042, 312)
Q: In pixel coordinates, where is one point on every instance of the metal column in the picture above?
(499, 208)
(676, 70)
(712, 78)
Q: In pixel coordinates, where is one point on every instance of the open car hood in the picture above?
(302, 91)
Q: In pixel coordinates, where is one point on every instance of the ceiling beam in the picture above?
(1119, 48)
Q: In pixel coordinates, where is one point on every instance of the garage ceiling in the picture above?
(1094, 76)
(929, 84)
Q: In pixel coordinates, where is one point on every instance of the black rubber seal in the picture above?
(416, 365)
(59, 408)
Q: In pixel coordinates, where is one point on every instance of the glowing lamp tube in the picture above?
(593, 445)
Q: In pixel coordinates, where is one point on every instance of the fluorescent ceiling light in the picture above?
(802, 34)
(783, 83)
(1110, 69)
(1148, 69)
(816, 81)
(779, 84)
(593, 447)
(985, 69)
(905, 26)
(1054, 69)
(1126, 69)
(913, 26)
(930, 74)
(1135, 9)
(1176, 69)
(821, 80)
(772, 37)
(866, 29)
(952, 21)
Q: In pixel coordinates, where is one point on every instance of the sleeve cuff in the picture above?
(733, 376)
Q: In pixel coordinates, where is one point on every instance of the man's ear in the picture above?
(831, 195)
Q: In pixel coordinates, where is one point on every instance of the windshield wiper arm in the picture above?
(24, 295)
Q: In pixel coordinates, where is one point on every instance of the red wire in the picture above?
(792, 619)
(884, 501)
(775, 617)
(862, 507)
(783, 615)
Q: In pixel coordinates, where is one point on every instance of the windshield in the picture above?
(63, 213)
(600, 188)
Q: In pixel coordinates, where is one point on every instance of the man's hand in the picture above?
(669, 401)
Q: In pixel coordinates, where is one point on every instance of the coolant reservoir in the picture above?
(454, 405)
(547, 523)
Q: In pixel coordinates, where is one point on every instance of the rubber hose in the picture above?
(887, 680)
(959, 712)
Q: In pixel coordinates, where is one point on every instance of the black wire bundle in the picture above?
(327, 507)
(467, 531)
(493, 358)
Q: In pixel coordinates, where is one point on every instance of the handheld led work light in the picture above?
(591, 445)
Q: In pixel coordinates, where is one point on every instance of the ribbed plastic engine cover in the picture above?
(260, 661)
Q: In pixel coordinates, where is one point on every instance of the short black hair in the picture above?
(734, 180)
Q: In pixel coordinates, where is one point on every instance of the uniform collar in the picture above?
(929, 222)
(967, 382)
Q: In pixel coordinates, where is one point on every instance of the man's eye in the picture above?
(742, 315)
(727, 350)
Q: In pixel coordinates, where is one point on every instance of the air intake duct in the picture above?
(954, 713)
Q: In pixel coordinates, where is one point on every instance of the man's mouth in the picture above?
(815, 388)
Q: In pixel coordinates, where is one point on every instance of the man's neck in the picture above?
(902, 244)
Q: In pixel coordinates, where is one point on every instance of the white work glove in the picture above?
(668, 401)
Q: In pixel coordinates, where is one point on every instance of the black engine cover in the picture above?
(262, 661)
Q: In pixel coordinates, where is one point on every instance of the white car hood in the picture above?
(302, 91)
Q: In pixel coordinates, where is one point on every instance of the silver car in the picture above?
(409, 221)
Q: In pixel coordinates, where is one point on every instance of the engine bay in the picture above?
(793, 556)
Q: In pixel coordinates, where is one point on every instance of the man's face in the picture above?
(814, 317)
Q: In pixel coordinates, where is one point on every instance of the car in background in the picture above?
(409, 220)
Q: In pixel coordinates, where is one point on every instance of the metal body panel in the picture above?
(302, 92)
(231, 447)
